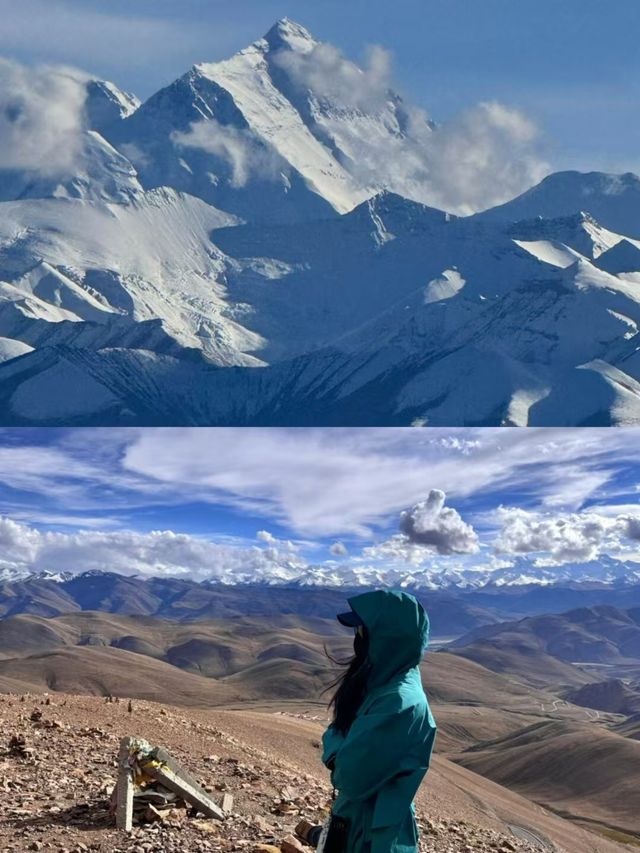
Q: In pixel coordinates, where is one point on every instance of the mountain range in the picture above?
(571, 584)
(454, 611)
(253, 246)
(571, 648)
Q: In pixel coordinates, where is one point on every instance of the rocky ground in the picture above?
(58, 765)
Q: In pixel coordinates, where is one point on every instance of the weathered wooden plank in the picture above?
(195, 796)
(124, 788)
(227, 803)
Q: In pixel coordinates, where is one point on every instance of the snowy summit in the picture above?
(281, 237)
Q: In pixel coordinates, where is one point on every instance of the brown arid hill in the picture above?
(629, 727)
(187, 601)
(210, 662)
(557, 649)
(578, 769)
(104, 672)
(55, 798)
(241, 663)
(212, 648)
(612, 695)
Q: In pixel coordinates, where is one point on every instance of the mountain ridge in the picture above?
(232, 221)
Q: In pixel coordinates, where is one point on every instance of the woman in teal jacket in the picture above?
(379, 745)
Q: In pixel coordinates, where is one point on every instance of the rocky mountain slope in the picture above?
(250, 246)
(60, 771)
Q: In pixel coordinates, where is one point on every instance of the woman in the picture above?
(379, 745)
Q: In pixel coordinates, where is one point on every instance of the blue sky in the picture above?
(571, 66)
(280, 503)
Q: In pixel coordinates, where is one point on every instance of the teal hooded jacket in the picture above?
(378, 766)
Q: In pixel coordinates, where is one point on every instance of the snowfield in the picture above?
(238, 250)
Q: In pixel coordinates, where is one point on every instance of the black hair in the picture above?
(351, 685)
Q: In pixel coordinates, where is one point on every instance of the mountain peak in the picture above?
(286, 33)
(106, 104)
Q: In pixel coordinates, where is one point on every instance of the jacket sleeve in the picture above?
(332, 740)
(380, 745)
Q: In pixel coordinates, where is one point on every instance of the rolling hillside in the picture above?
(564, 648)
(577, 770)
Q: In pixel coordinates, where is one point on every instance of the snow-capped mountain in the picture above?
(612, 200)
(259, 136)
(236, 250)
(520, 574)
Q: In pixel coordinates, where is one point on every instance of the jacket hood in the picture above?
(398, 629)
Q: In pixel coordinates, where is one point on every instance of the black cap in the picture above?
(350, 619)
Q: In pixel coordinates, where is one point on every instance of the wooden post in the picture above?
(124, 788)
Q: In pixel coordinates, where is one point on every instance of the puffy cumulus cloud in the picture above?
(564, 538)
(432, 525)
(426, 529)
(326, 73)
(41, 117)
(338, 549)
(18, 543)
(158, 553)
(239, 150)
(279, 545)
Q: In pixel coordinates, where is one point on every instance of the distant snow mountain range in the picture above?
(246, 248)
(453, 611)
(605, 572)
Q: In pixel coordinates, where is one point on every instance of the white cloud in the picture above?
(243, 155)
(315, 482)
(396, 550)
(18, 543)
(41, 117)
(330, 76)
(284, 545)
(158, 553)
(343, 481)
(430, 524)
(631, 527)
(426, 529)
(482, 157)
(338, 549)
(454, 442)
(564, 538)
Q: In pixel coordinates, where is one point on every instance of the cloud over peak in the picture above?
(41, 117)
